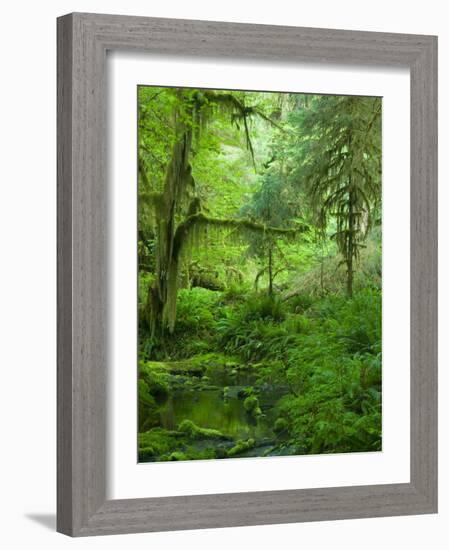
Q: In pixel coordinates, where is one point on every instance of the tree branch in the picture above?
(200, 219)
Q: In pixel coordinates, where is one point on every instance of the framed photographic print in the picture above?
(246, 274)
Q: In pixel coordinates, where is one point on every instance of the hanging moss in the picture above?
(178, 222)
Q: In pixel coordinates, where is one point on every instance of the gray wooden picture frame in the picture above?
(83, 40)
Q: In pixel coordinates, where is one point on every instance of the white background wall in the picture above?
(27, 273)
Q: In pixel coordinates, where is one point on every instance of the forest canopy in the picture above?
(259, 253)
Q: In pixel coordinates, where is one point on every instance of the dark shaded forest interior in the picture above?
(259, 249)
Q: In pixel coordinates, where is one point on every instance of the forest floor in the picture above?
(250, 375)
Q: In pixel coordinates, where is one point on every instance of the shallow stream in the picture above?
(217, 401)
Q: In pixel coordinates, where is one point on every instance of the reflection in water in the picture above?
(208, 409)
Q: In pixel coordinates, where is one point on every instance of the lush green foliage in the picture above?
(259, 274)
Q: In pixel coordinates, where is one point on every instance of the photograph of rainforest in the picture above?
(259, 274)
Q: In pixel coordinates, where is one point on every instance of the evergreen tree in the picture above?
(338, 162)
(272, 205)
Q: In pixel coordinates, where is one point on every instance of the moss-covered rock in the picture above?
(241, 446)
(280, 425)
(196, 432)
(155, 377)
(208, 387)
(156, 442)
(252, 407)
(177, 455)
(251, 403)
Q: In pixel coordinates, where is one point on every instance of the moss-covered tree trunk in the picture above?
(350, 245)
(177, 180)
(270, 269)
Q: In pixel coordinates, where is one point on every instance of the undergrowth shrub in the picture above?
(300, 303)
(235, 293)
(195, 310)
(194, 330)
(335, 411)
(263, 307)
(360, 320)
(329, 358)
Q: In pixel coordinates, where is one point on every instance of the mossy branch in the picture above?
(241, 112)
(200, 219)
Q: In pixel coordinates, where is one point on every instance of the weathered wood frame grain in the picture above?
(83, 40)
